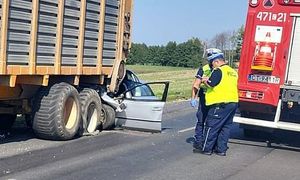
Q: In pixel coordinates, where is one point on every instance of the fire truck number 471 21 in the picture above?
(270, 16)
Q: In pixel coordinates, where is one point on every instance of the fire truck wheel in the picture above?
(109, 117)
(57, 112)
(251, 133)
(90, 109)
(7, 121)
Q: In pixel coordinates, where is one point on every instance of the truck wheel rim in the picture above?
(92, 118)
(70, 113)
(103, 116)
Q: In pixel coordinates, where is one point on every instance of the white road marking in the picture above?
(187, 129)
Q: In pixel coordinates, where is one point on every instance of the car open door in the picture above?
(144, 107)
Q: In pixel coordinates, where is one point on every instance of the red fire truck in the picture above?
(269, 69)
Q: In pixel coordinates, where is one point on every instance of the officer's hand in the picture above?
(193, 102)
(204, 79)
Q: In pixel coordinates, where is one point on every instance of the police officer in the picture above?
(221, 98)
(199, 89)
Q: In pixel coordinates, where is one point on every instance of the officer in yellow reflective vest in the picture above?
(199, 89)
(221, 99)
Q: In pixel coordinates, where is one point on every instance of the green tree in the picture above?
(239, 43)
(186, 54)
(170, 54)
(138, 54)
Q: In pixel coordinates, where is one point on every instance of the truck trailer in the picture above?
(269, 75)
(61, 64)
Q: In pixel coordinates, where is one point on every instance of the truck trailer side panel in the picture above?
(41, 39)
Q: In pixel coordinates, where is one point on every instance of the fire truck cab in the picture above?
(269, 69)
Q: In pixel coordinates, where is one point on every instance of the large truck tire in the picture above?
(57, 113)
(7, 121)
(91, 110)
(109, 117)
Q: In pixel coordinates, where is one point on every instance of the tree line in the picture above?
(189, 53)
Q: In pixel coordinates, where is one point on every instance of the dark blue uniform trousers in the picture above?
(201, 116)
(217, 129)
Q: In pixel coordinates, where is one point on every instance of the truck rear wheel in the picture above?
(109, 117)
(7, 121)
(57, 113)
(90, 109)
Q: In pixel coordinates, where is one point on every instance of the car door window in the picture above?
(149, 91)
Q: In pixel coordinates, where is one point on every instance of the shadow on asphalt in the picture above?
(278, 139)
(19, 132)
(16, 135)
(190, 140)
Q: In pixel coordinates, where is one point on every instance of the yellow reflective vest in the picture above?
(226, 91)
(206, 73)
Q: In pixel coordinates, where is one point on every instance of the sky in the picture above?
(156, 22)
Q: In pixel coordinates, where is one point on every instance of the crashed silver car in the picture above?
(143, 106)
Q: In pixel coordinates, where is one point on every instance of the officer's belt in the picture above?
(222, 105)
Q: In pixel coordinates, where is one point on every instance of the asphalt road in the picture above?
(127, 155)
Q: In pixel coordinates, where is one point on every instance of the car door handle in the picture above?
(156, 109)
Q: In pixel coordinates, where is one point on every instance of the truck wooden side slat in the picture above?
(47, 29)
(69, 51)
(18, 47)
(46, 49)
(16, 58)
(90, 43)
(72, 23)
(109, 45)
(47, 19)
(19, 25)
(46, 8)
(68, 61)
(92, 25)
(90, 61)
(90, 52)
(49, 1)
(45, 60)
(16, 36)
(70, 41)
(110, 28)
(22, 50)
(93, 1)
(71, 32)
(92, 16)
(110, 36)
(112, 3)
(72, 13)
(113, 11)
(109, 53)
(20, 15)
(110, 32)
(91, 35)
(108, 61)
(93, 6)
(46, 39)
(111, 19)
(72, 3)
(21, 4)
